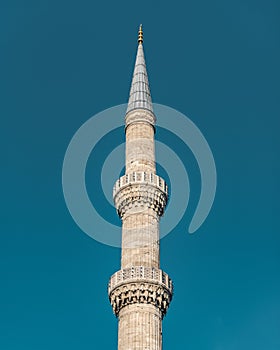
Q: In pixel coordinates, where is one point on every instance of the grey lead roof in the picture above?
(140, 96)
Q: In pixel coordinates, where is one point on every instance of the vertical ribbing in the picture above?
(139, 328)
(140, 240)
(140, 324)
(140, 149)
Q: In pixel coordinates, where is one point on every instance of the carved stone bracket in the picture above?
(140, 190)
(128, 287)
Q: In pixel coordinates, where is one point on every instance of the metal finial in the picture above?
(140, 35)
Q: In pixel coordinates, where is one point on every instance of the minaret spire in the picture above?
(140, 96)
(140, 292)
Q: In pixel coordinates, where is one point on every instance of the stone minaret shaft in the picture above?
(140, 292)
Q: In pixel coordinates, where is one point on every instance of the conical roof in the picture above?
(140, 96)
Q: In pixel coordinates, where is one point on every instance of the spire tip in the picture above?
(140, 35)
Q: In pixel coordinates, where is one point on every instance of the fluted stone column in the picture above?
(140, 292)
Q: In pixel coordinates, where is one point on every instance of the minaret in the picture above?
(140, 292)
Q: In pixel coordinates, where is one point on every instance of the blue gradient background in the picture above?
(217, 62)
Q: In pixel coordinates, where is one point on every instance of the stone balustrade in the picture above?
(140, 285)
(139, 273)
(140, 190)
(140, 177)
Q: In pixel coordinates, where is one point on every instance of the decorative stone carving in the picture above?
(140, 190)
(140, 285)
(139, 273)
(140, 292)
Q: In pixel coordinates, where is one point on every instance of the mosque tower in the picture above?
(140, 292)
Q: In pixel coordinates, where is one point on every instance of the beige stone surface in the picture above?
(140, 293)
(140, 149)
(140, 240)
(140, 328)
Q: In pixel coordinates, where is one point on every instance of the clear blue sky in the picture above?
(217, 62)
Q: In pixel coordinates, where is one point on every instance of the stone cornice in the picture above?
(139, 191)
(140, 285)
(140, 116)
